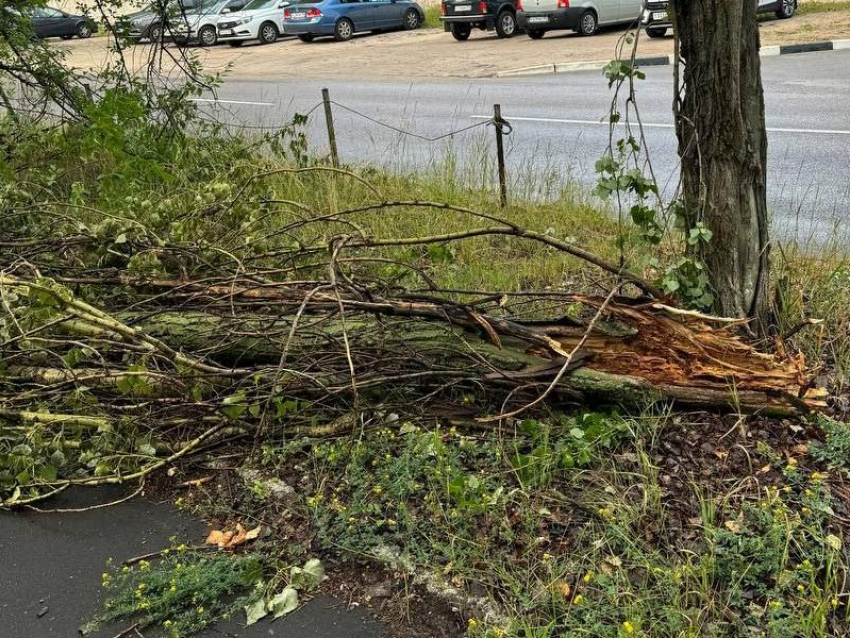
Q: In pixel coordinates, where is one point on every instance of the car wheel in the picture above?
(657, 32)
(461, 32)
(155, 33)
(306, 37)
(506, 24)
(786, 9)
(344, 30)
(268, 33)
(207, 36)
(412, 20)
(236, 43)
(84, 31)
(587, 24)
(535, 34)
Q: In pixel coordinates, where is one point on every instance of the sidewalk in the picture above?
(50, 567)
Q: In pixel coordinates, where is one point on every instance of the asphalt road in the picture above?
(557, 136)
(51, 565)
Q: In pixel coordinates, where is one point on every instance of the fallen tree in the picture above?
(315, 337)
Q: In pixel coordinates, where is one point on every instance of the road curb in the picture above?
(666, 60)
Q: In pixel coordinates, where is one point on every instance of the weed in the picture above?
(182, 592)
(835, 451)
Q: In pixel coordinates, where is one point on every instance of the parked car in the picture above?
(460, 17)
(155, 19)
(259, 20)
(656, 18)
(199, 25)
(48, 22)
(582, 16)
(341, 19)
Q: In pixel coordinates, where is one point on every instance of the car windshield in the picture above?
(210, 6)
(259, 4)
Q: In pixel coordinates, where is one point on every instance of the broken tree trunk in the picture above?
(332, 346)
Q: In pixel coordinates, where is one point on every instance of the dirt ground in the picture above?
(431, 53)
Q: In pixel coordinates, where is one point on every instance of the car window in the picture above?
(259, 4)
(52, 13)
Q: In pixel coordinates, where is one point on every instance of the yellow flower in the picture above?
(628, 627)
(378, 490)
(167, 623)
(817, 476)
(472, 623)
(200, 610)
(578, 600)
(588, 577)
(144, 565)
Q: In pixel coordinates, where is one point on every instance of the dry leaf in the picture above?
(721, 454)
(764, 470)
(614, 561)
(231, 538)
(732, 526)
(238, 536)
(566, 590)
(251, 534)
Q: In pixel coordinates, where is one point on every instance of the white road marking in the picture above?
(200, 99)
(555, 120)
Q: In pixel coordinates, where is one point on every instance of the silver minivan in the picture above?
(583, 16)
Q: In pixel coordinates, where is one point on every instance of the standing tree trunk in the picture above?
(723, 149)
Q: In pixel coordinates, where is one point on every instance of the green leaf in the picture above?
(284, 603)
(47, 473)
(255, 611)
(307, 577)
(577, 433)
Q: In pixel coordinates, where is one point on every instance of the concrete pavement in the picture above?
(557, 135)
(50, 567)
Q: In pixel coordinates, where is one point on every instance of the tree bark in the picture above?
(723, 148)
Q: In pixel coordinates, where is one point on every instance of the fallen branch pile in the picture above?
(301, 338)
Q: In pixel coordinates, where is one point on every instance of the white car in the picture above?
(260, 20)
(199, 24)
(585, 17)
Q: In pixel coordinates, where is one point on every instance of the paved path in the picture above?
(554, 119)
(50, 567)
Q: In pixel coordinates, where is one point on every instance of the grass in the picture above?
(807, 7)
(564, 521)
(432, 17)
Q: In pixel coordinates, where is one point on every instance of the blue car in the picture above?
(341, 19)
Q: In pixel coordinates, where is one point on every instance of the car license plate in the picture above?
(299, 16)
(537, 19)
(226, 32)
(659, 15)
(460, 8)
